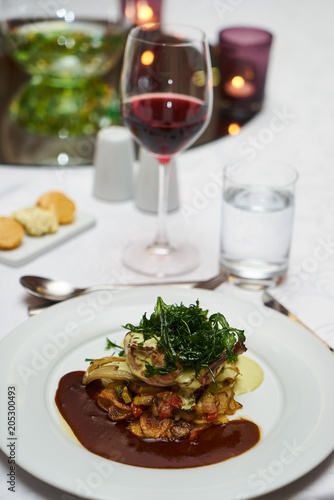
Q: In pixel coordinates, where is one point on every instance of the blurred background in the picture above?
(42, 124)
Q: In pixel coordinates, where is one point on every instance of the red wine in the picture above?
(164, 124)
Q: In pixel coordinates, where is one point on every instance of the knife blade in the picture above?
(273, 303)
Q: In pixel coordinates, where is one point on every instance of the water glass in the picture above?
(257, 222)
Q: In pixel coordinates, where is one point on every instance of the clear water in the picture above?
(256, 232)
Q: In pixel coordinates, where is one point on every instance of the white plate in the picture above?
(294, 406)
(33, 246)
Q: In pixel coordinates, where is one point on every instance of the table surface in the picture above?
(295, 126)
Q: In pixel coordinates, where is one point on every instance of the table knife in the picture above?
(271, 302)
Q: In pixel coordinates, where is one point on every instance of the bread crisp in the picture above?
(58, 203)
(37, 221)
(11, 233)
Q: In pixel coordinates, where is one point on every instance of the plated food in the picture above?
(11, 233)
(37, 221)
(52, 209)
(59, 204)
(169, 392)
(290, 425)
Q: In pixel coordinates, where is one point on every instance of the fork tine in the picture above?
(212, 283)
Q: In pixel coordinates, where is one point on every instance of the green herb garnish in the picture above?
(111, 345)
(188, 337)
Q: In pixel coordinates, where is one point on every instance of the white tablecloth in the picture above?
(300, 99)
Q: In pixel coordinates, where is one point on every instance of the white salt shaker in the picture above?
(114, 160)
(147, 183)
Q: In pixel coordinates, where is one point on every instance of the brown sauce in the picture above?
(113, 440)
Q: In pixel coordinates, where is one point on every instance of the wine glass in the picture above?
(166, 102)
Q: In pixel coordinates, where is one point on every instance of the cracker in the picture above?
(37, 221)
(11, 233)
(57, 202)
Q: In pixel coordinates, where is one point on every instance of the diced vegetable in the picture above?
(176, 401)
(137, 410)
(126, 395)
(211, 417)
(166, 410)
(143, 400)
(193, 436)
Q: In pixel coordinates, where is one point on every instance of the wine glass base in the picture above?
(160, 261)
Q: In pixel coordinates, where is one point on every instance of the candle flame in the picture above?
(145, 13)
(147, 57)
(238, 82)
(233, 129)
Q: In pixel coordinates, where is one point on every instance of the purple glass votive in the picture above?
(244, 56)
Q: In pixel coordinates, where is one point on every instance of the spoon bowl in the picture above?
(54, 290)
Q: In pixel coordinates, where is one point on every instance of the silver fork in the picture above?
(212, 283)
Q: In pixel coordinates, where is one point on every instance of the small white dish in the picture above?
(33, 246)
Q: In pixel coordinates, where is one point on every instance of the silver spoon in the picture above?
(57, 291)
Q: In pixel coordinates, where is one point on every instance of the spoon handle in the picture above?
(210, 284)
(96, 288)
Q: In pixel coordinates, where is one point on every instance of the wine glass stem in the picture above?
(161, 241)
